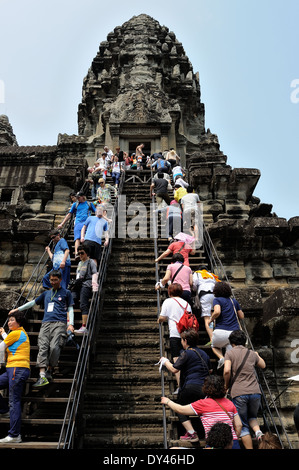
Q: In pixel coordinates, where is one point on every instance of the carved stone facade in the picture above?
(141, 88)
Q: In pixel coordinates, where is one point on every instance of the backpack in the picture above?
(188, 320)
(89, 206)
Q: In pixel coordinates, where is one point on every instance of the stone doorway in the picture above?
(134, 144)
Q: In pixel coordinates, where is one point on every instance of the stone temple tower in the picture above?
(141, 88)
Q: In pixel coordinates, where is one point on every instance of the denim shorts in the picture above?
(247, 407)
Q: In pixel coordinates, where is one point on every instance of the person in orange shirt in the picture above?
(16, 345)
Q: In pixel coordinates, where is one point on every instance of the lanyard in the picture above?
(53, 295)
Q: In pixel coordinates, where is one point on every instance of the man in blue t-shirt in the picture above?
(82, 209)
(58, 318)
(92, 232)
(60, 259)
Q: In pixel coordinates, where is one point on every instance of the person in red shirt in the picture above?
(178, 247)
(215, 407)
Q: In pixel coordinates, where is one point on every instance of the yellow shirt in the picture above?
(179, 193)
(18, 348)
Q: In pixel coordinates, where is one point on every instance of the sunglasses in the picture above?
(81, 252)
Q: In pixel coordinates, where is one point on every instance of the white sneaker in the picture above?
(81, 331)
(11, 439)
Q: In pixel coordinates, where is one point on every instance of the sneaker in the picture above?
(41, 382)
(190, 437)
(220, 363)
(81, 331)
(176, 391)
(11, 439)
(48, 375)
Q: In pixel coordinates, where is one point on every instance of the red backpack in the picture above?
(187, 321)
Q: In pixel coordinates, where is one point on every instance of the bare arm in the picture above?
(163, 255)
(67, 217)
(216, 312)
(170, 367)
(227, 373)
(237, 423)
(181, 409)
(83, 233)
(240, 314)
(261, 363)
(66, 253)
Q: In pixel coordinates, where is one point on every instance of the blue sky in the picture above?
(246, 53)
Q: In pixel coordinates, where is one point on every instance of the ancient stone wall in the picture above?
(141, 85)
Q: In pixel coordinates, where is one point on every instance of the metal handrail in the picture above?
(217, 268)
(66, 437)
(161, 343)
(38, 272)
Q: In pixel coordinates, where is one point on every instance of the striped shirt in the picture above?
(210, 413)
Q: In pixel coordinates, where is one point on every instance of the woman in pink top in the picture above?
(177, 272)
(215, 407)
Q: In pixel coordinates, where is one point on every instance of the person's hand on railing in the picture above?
(159, 285)
(161, 363)
(95, 287)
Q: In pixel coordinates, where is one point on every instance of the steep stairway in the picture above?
(122, 406)
(123, 389)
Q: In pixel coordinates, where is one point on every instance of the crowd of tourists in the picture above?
(226, 399)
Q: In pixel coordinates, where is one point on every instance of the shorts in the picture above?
(206, 303)
(220, 339)
(175, 347)
(95, 249)
(77, 230)
(247, 407)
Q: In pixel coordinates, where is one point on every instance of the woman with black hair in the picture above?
(177, 272)
(16, 345)
(194, 366)
(240, 377)
(215, 407)
(225, 316)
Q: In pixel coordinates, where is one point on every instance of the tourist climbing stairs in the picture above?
(122, 406)
(44, 410)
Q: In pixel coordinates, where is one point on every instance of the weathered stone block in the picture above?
(284, 302)
(258, 269)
